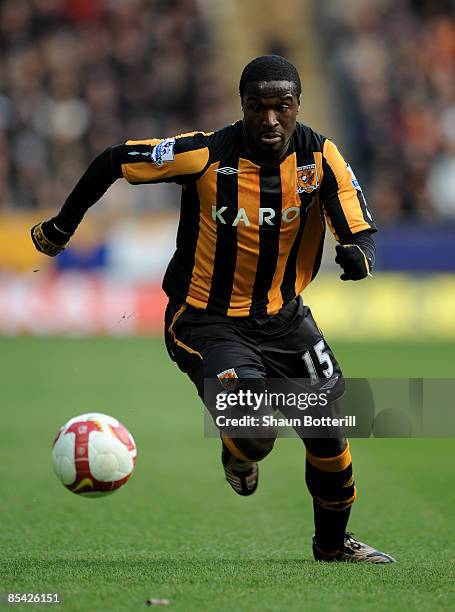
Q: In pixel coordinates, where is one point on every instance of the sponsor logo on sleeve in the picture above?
(354, 181)
(163, 151)
(357, 187)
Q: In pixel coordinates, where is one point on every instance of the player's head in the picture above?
(270, 91)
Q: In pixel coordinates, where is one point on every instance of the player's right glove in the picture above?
(48, 238)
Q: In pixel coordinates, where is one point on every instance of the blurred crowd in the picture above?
(77, 76)
(394, 64)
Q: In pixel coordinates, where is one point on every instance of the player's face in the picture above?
(269, 116)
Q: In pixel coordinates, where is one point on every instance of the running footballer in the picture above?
(256, 197)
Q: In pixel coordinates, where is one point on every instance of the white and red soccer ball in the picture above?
(93, 454)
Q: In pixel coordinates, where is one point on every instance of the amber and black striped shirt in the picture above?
(250, 237)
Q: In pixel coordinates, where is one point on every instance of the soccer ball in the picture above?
(93, 454)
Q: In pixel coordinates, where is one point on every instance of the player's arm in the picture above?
(52, 236)
(348, 215)
(145, 161)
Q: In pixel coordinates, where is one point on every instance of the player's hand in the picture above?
(48, 238)
(354, 262)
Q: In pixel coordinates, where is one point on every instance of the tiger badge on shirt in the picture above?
(307, 178)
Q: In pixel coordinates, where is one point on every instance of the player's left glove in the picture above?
(48, 238)
(354, 262)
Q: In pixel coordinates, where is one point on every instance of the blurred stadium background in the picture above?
(79, 75)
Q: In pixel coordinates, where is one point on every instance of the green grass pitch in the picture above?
(177, 530)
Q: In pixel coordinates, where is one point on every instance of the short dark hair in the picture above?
(269, 68)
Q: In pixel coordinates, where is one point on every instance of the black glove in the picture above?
(354, 262)
(48, 238)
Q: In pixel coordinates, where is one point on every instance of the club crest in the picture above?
(307, 178)
(228, 378)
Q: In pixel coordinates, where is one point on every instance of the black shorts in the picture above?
(286, 345)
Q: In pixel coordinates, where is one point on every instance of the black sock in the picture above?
(330, 526)
(330, 482)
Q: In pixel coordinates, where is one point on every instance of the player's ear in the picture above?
(298, 103)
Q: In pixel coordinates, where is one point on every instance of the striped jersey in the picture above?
(250, 236)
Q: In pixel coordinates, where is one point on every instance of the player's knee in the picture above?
(261, 447)
(255, 449)
(326, 447)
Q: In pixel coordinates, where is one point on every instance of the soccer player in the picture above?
(256, 196)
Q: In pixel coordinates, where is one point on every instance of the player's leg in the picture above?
(207, 348)
(242, 449)
(304, 353)
(329, 479)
